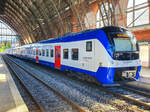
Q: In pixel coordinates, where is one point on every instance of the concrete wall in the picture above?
(145, 55)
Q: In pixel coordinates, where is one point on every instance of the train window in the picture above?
(89, 46)
(40, 53)
(47, 52)
(34, 52)
(52, 52)
(37, 52)
(57, 54)
(75, 54)
(65, 53)
(43, 52)
(27, 51)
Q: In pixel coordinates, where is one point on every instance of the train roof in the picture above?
(76, 36)
(114, 29)
(73, 36)
(83, 35)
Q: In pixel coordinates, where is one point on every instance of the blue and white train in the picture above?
(109, 54)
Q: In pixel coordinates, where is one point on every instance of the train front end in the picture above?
(124, 64)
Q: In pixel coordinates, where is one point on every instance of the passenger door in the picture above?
(37, 57)
(58, 57)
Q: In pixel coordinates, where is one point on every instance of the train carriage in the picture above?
(109, 54)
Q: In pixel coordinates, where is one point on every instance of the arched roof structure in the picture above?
(36, 20)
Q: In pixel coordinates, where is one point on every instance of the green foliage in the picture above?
(8, 45)
(5, 46)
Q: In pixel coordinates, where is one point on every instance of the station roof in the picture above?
(36, 20)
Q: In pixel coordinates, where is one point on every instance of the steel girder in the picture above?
(13, 18)
(16, 15)
(37, 19)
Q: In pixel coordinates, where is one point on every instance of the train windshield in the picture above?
(123, 41)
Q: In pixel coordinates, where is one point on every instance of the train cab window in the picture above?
(75, 54)
(65, 53)
(52, 53)
(47, 52)
(43, 52)
(89, 46)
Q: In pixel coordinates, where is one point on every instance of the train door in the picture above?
(58, 57)
(37, 57)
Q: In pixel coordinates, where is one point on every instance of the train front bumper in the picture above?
(110, 75)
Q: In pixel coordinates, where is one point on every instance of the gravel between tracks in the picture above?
(45, 97)
(77, 91)
(32, 107)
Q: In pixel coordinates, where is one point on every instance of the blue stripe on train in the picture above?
(100, 74)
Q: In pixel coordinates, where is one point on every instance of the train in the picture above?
(108, 54)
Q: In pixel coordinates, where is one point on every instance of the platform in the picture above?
(144, 81)
(145, 75)
(10, 98)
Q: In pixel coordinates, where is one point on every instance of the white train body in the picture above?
(90, 56)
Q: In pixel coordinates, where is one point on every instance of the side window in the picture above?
(37, 51)
(47, 52)
(58, 54)
(34, 52)
(75, 54)
(52, 52)
(43, 52)
(65, 53)
(31, 52)
(40, 52)
(89, 46)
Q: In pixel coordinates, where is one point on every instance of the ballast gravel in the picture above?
(80, 92)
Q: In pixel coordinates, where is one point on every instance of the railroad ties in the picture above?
(36, 87)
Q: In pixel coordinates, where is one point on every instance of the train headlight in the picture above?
(116, 55)
(117, 63)
(100, 64)
(112, 62)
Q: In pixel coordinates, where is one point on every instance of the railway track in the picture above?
(137, 97)
(26, 89)
(138, 91)
(132, 95)
(16, 68)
